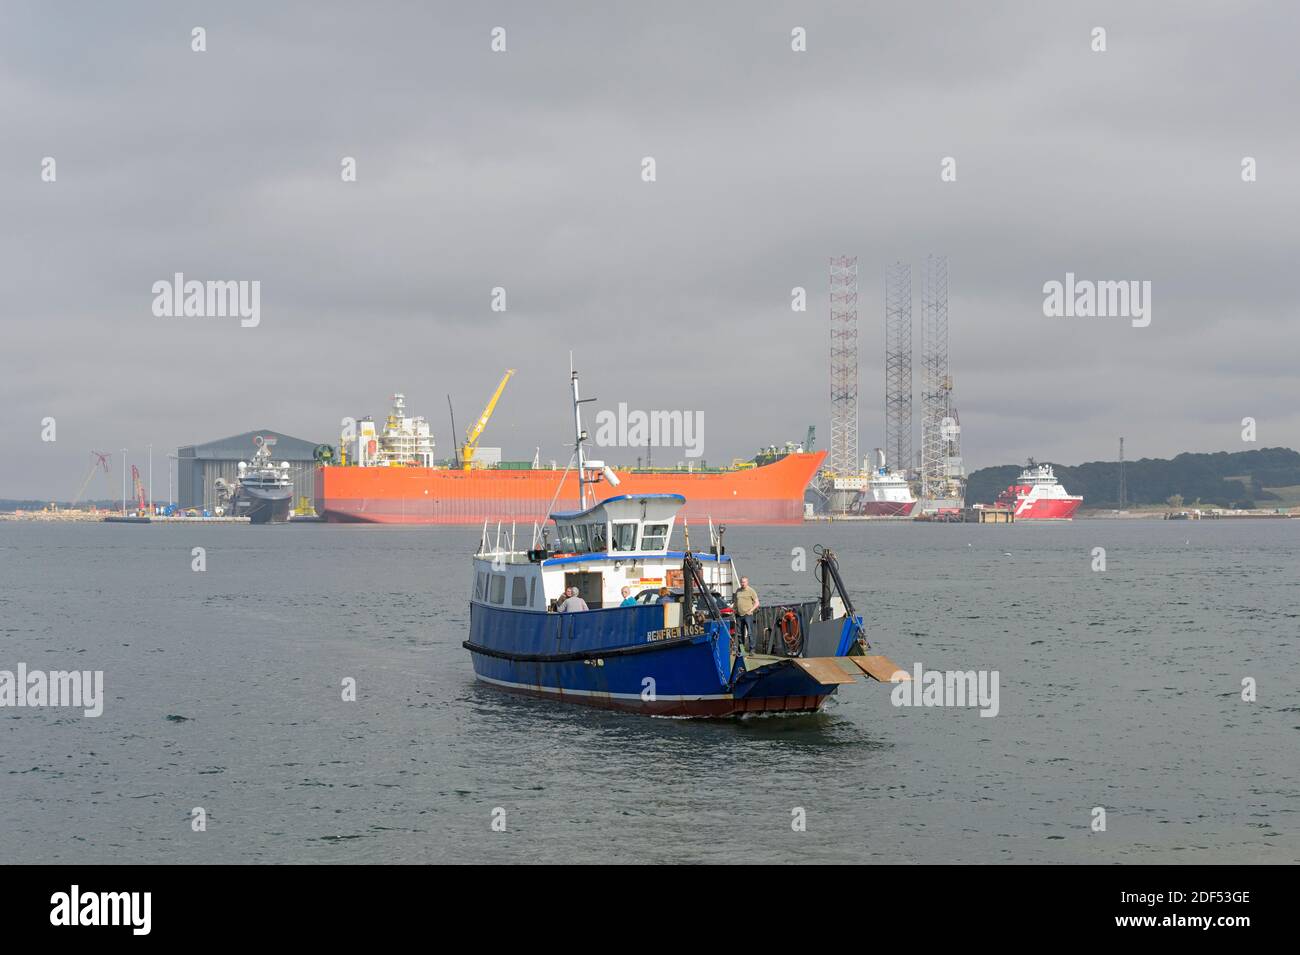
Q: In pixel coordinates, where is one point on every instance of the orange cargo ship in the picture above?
(402, 494)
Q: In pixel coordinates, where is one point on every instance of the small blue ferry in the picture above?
(671, 652)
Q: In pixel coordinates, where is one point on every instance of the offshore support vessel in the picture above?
(263, 491)
(1038, 496)
(669, 655)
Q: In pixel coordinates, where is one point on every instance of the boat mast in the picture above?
(578, 437)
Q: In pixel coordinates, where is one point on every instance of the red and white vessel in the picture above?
(887, 494)
(1039, 496)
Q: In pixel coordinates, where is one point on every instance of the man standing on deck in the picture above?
(628, 599)
(746, 600)
(572, 601)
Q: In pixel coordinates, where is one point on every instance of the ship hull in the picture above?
(1048, 509)
(768, 494)
(603, 658)
(720, 707)
(888, 508)
(264, 507)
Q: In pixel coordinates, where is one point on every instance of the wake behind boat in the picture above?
(668, 656)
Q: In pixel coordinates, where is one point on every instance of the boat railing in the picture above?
(502, 544)
(504, 557)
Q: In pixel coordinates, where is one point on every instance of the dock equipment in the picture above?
(476, 431)
(138, 486)
(101, 461)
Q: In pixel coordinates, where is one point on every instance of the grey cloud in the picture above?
(522, 171)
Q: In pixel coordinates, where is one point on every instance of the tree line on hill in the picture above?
(1223, 479)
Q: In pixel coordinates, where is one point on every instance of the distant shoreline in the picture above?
(1185, 514)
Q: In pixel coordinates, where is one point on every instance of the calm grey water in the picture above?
(1119, 689)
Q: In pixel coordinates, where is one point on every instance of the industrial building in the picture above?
(198, 466)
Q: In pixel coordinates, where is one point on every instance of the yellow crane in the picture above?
(475, 432)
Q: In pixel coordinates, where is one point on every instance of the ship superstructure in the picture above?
(404, 441)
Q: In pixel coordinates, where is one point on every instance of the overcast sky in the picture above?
(523, 170)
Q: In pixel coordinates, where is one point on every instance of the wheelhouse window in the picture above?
(497, 590)
(518, 592)
(596, 532)
(624, 536)
(565, 534)
(581, 542)
(532, 592)
(480, 585)
(654, 537)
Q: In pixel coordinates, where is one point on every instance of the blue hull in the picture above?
(607, 658)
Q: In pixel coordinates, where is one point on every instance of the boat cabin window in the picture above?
(597, 536)
(480, 585)
(581, 542)
(518, 592)
(497, 590)
(654, 537)
(564, 537)
(532, 592)
(624, 536)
